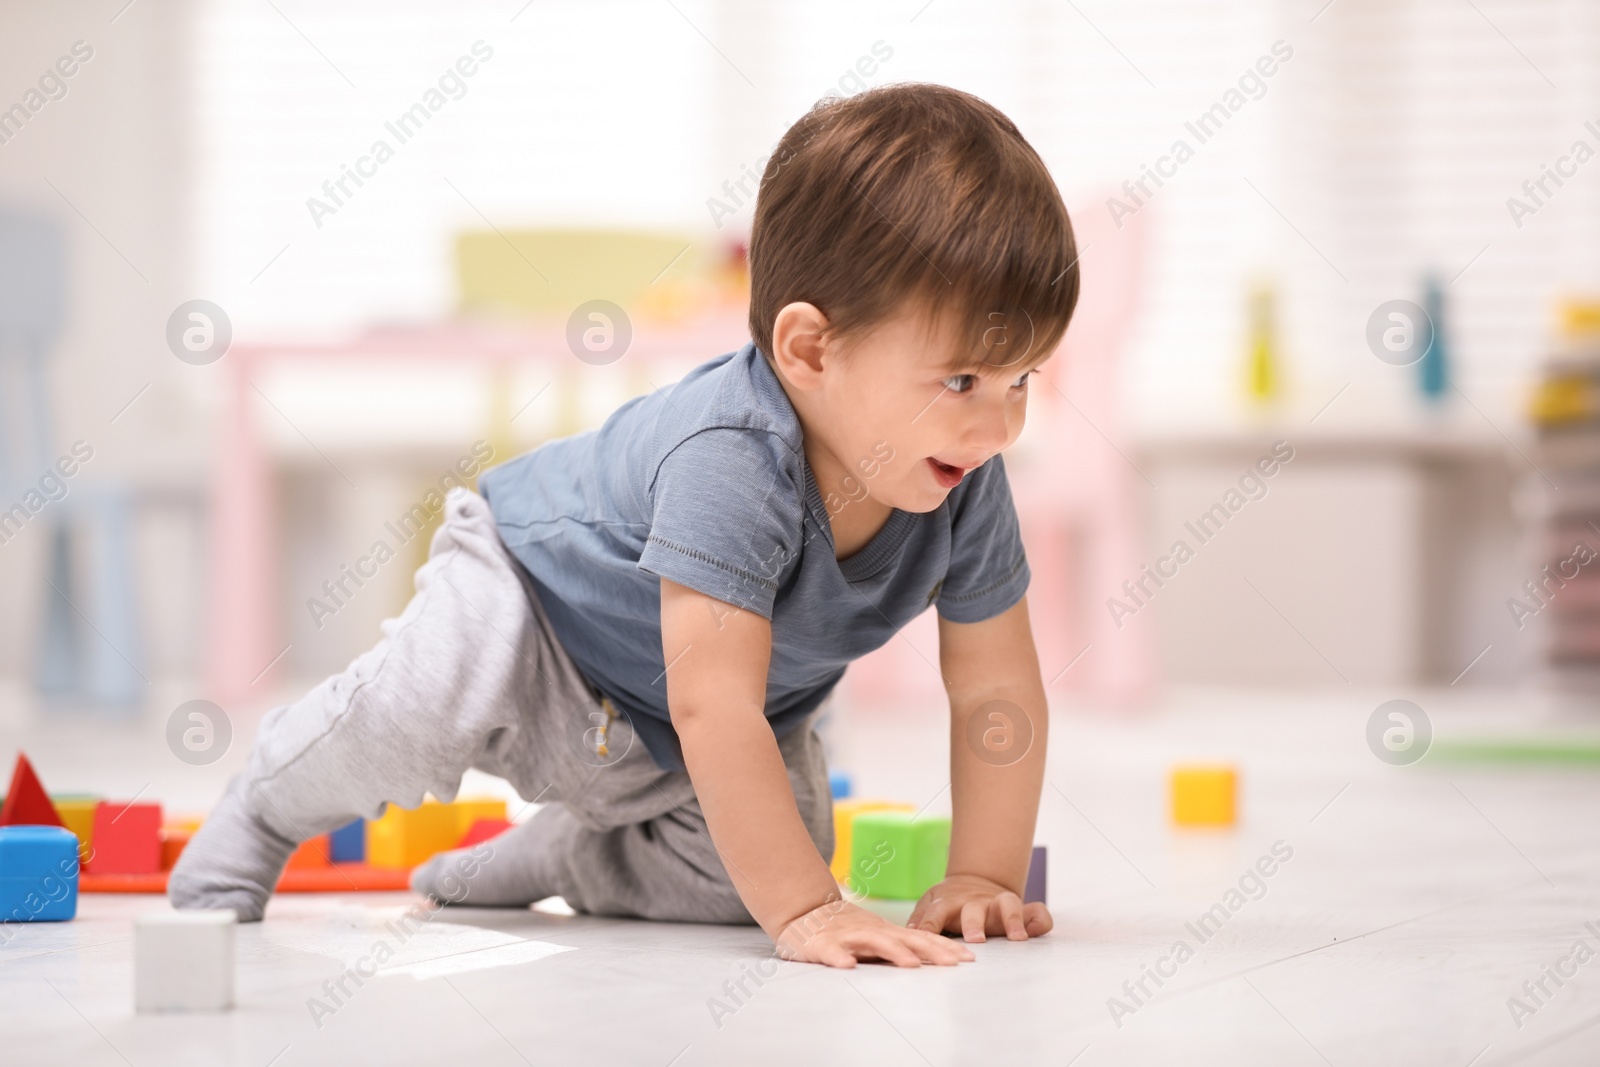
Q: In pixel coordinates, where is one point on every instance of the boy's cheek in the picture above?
(1017, 420)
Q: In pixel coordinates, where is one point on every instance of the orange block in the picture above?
(344, 878)
(1204, 795)
(122, 883)
(175, 837)
(336, 878)
(310, 854)
(173, 840)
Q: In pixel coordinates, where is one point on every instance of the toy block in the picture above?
(404, 838)
(334, 878)
(839, 785)
(77, 815)
(895, 855)
(348, 844)
(38, 874)
(344, 878)
(1570, 751)
(183, 961)
(174, 839)
(844, 814)
(483, 830)
(127, 838)
(1203, 796)
(470, 811)
(312, 853)
(27, 804)
(1035, 888)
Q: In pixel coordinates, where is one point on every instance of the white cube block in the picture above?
(183, 961)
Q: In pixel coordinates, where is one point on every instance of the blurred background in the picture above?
(275, 273)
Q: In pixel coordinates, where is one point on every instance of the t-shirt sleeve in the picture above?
(988, 567)
(726, 516)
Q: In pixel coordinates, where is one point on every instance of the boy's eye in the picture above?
(963, 383)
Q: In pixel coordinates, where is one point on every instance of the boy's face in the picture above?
(904, 430)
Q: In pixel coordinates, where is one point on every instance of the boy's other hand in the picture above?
(977, 908)
(839, 933)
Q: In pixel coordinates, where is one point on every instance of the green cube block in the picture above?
(896, 856)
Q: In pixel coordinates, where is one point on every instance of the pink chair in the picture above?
(1076, 491)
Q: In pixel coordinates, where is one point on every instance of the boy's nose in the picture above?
(991, 430)
(996, 424)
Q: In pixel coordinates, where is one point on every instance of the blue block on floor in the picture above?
(38, 874)
(348, 844)
(839, 782)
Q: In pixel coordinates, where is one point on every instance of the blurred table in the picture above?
(325, 398)
(1380, 554)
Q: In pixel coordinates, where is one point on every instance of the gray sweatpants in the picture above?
(470, 675)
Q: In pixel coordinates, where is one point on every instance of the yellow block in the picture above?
(1568, 398)
(78, 815)
(844, 816)
(1203, 796)
(402, 839)
(1580, 317)
(470, 811)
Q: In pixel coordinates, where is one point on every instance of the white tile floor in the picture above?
(1416, 902)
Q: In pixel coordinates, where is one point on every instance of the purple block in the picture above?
(1035, 887)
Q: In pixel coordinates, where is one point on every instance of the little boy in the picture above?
(637, 625)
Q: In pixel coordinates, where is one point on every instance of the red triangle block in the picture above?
(27, 804)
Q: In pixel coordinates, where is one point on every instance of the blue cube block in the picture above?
(839, 782)
(348, 844)
(38, 874)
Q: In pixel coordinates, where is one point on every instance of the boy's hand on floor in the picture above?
(840, 933)
(977, 908)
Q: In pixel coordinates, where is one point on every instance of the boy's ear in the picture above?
(799, 343)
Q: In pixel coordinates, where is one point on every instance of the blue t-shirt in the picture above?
(706, 483)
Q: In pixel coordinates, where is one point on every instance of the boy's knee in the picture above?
(464, 504)
(466, 522)
(720, 904)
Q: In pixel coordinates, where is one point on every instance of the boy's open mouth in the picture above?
(945, 474)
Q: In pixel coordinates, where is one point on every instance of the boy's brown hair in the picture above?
(915, 193)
